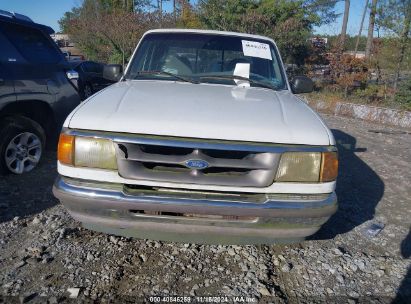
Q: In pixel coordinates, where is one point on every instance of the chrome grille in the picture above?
(166, 163)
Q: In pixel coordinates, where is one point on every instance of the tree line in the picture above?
(108, 31)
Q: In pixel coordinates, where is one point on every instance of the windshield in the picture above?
(74, 64)
(195, 57)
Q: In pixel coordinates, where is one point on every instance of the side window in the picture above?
(99, 68)
(95, 67)
(8, 52)
(92, 67)
(31, 43)
(86, 67)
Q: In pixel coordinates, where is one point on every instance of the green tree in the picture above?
(289, 23)
(188, 17)
(395, 17)
(350, 42)
(322, 11)
(107, 31)
(403, 95)
(64, 22)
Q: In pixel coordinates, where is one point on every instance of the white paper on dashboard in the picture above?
(243, 70)
(256, 49)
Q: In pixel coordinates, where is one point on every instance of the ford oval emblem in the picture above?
(197, 164)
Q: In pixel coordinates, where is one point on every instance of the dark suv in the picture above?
(91, 77)
(37, 91)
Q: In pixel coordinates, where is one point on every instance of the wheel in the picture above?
(88, 91)
(22, 143)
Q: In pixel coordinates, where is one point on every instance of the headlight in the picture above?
(299, 167)
(87, 152)
(307, 167)
(94, 153)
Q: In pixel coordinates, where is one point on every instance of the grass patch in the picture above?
(372, 95)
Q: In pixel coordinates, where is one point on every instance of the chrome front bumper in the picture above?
(190, 216)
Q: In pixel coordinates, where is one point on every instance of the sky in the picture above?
(354, 19)
(48, 12)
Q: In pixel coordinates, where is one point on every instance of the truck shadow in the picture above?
(30, 193)
(359, 189)
(404, 292)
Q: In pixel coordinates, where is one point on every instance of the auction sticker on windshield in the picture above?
(256, 49)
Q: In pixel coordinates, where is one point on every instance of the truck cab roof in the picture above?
(6, 16)
(222, 33)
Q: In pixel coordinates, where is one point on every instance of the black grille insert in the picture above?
(170, 164)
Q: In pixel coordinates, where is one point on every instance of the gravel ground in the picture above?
(361, 255)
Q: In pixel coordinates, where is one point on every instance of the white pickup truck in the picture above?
(201, 140)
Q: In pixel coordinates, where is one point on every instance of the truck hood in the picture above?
(209, 111)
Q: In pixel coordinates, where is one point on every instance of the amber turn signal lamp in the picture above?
(65, 151)
(329, 167)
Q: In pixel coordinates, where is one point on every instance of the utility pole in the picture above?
(174, 10)
(360, 31)
(161, 12)
(403, 45)
(345, 23)
(371, 23)
(160, 9)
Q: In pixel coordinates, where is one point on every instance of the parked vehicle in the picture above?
(91, 77)
(66, 55)
(212, 150)
(36, 92)
(71, 57)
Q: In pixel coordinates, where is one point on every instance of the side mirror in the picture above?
(113, 72)
(301, 84)
(73, 76)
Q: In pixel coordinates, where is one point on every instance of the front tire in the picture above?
(88, 91)
(22, 143)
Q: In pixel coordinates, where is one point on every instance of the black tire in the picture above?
(87, 91)
(11, 127)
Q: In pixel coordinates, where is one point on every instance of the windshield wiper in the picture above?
(155, 72)
(233, 77)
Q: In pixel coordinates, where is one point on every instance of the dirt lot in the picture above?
(361, 255)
